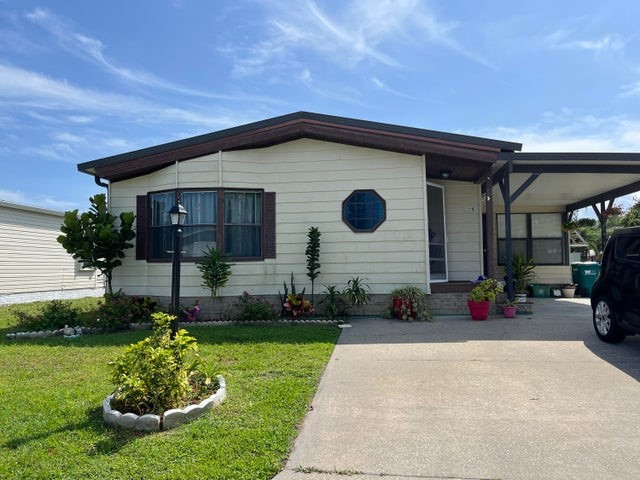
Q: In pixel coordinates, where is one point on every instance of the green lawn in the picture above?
(51, 419)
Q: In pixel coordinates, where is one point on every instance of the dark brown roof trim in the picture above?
(300, 125)
(573, 157)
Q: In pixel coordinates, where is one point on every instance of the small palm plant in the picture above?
(356, 292)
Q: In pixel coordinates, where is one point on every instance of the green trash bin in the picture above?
(584, 275)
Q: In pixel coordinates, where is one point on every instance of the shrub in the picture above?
(160, 373)
(55, 315)
(356, 292)
(409, 303)
(119, 311)
(333, 303)
(297, 305)
(248, 307)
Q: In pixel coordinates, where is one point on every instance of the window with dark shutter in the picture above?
(240, 222)
(269, 231)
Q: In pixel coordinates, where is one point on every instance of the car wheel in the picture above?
(605, 323)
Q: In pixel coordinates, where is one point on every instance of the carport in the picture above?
(549, 180)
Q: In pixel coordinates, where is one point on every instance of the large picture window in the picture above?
(228, 219)
(533, 235)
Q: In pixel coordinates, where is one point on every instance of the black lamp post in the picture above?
(177, 214)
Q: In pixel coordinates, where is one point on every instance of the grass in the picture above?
(51, 420)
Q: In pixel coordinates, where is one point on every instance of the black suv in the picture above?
(615, 296)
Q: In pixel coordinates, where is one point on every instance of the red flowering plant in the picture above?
(297, 305)
(409, 303)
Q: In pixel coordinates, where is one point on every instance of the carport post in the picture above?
(506, 195)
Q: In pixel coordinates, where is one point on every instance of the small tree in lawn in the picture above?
(94, 238)
(313, 256)
(216, 270)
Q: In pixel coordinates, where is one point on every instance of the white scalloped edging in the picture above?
(147, 326)
(170, 419)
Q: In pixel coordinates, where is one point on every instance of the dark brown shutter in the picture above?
(142, 227)
(269, 224)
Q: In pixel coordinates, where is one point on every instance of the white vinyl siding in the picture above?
(311, 179)
(31, 259)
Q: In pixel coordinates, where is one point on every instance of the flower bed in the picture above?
(169, 419)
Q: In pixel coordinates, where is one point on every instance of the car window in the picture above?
(628, 248)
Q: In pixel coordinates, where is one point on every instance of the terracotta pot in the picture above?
(479, 310)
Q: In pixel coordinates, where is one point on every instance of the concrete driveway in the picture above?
(525, 398)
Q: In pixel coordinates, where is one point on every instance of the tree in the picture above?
(216, 270)
(631, 217)
(313, 256)
(95, 239)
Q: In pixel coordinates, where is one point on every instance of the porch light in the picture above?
(177, 214)
(445, 174)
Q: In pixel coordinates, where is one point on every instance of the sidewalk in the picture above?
(525, 398)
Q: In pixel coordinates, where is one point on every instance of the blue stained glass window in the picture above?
(364, 210)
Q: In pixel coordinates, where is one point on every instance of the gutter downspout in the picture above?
(99, 182)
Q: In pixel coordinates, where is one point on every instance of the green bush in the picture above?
(249, 307)
(55, 315)
(119, 311)
(333, 303)
(160, 372)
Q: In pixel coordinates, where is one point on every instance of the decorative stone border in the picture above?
(147, 326)
(170, 419)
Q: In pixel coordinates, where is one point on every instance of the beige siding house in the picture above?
(395, 205)
(33, 265)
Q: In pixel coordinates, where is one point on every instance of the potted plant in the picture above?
(568, 290)
(409, 303)
(509, 309)
(523, 274)
(481, 296)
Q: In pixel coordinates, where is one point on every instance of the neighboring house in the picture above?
(33, 265)
(395, 205)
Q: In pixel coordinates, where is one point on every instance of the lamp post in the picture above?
(177, 214)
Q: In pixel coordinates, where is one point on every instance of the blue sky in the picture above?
(81, 80)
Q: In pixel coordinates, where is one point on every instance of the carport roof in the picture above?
(572, 179)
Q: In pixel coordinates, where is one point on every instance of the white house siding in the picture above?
(31, 259)
(311, 179)
(464, 230)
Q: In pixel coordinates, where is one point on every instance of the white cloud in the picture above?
(42, 201)
(360, 31)
(380, 85)
(565, 131)
(562, 39)
(631, 90)
(33, 90)
(92, 49)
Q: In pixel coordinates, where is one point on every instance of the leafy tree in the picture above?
(313, 255)
(95, 239)
(631, 217)
(216, 270)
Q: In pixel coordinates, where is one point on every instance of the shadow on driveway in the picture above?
(553, 320)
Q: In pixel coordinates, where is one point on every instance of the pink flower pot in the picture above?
(479, 310)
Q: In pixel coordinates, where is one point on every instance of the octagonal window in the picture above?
(364, 210)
